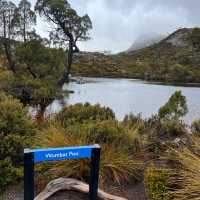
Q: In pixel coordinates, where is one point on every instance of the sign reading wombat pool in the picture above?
(32, 156)
(42, 155)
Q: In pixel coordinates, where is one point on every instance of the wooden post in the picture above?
(94, 174)
(29, 176)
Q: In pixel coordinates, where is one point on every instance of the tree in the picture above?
(25, 18)
(69, 28)
(7, 29)
(175, 108)
(39, 68)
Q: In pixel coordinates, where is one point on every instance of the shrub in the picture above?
(134, 126)
(156, 183)
(16, 126)
(132, 120)
(81, 113)
(170, 115)
(109, 131)
(175, 108)
(173, 128)
(196, 127)
(6, 80)
(14, 117)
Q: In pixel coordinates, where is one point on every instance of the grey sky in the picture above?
(117, 23)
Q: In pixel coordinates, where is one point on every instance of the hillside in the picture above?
(174, 59)
(145, 40)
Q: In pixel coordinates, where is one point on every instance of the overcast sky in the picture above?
(118, 23)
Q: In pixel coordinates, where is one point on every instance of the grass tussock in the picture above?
(187, 178)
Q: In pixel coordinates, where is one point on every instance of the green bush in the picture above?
(6, 80)
(108, 131)
(134, 121)
(16, 126)
(175, 108)
(170, 115)
(156, 183)
(14, 117)
(81, 113)
(196, 127)
(173, 128)
(96, 123)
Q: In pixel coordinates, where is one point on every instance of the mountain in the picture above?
(175, 58)
(145, 40)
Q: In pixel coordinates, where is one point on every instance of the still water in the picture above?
(127, 96)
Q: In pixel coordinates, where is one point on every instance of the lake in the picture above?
(126, 96)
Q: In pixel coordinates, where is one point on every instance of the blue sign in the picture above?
(54, 154)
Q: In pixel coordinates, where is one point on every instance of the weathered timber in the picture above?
(72, 185)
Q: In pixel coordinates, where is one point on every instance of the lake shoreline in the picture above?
(154, 82)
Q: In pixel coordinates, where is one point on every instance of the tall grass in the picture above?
(117, 165)
(186, 181)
